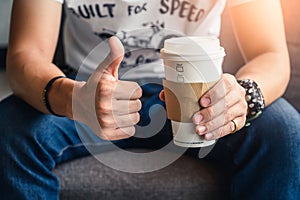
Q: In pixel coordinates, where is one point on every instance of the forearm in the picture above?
(271, 71)
(259, 28)
(28, 74)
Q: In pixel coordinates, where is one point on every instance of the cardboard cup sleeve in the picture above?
(182, 99)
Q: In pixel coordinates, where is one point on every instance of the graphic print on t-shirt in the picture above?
(141, 45)
(143, 25)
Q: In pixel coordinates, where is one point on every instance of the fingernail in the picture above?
(205, 102)
(208, 136)
(197, 118)
(201, 129)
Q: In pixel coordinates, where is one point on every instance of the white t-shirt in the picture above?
(142, 26)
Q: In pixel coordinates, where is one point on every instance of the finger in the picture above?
(111, 63)
(222, 105)
(162, 95)
(226, 129)
(210, 124)
(118, 133)
(127, 90)
(116, 55)
(121, 107)
(218, 91)
(118, 121)
(127, 120)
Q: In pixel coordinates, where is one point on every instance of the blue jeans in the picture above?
(263, 159)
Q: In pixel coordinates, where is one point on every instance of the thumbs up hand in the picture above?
(108, 106)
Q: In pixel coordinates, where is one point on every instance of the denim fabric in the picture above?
(263, 159)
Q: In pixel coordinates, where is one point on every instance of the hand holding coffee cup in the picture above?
(192, 66)
(224, 109)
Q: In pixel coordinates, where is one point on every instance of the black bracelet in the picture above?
(254, 98)
(46, 92)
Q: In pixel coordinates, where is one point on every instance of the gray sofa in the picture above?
(186, 178)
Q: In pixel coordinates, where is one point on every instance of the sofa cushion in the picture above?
(186, 178)
(291, 13)
(292, 93)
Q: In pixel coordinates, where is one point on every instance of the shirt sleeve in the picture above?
(59, 1)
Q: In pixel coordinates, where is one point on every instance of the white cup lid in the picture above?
(192, 45)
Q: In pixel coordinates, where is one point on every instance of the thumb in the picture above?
(162, 95)
(111, 63)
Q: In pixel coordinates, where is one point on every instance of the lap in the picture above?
(278, 126)
(26, 128)
(275, 135)
(64, 139)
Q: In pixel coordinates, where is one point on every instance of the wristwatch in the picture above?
(254, 98)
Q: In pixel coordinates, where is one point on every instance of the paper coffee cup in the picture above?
(192, 66)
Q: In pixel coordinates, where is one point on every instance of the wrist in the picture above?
(254, 98)
(60, 97)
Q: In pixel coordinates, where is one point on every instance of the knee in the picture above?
(19, 137)
(278, 128)
(20, 126)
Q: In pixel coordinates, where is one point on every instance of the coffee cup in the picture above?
(192, 66)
